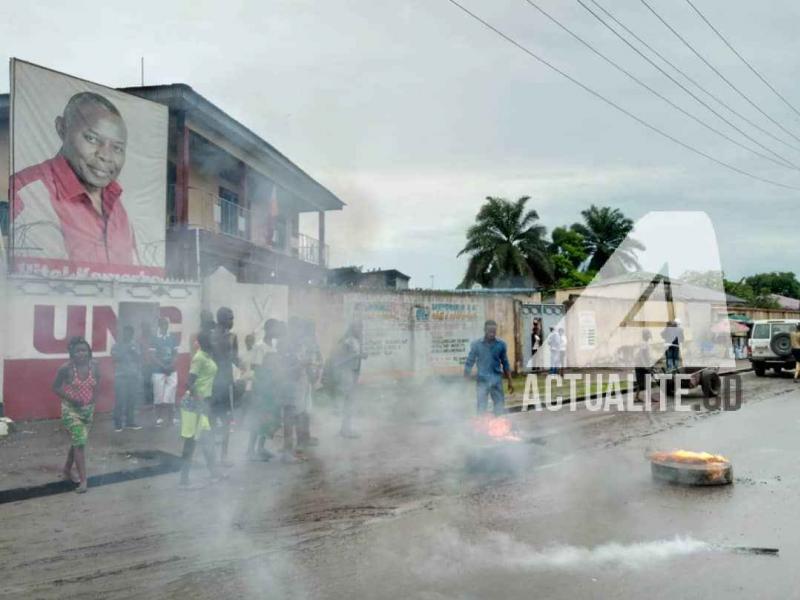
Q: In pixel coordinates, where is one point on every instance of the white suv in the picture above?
(770, 345)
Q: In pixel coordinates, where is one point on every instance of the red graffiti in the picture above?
(44, 321)
(104, 322)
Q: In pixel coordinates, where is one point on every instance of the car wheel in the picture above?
(759, 369)
(710, 382)
(778, 369)
(781, 344)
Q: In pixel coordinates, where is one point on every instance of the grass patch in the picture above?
(581, 387)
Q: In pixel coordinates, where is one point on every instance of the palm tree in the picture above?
(604, 230)
(506, 246)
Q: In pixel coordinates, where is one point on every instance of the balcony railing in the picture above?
(220, 215)
(232, 219)
(308, 250)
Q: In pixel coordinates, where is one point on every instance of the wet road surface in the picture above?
(396, 514)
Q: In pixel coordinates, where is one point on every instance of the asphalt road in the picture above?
(571, 511)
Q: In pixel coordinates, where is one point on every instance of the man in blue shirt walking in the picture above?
(491, 356)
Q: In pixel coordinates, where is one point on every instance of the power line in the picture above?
(749, 66)
(692, 80)
(613, 104)
(784, 162)
(713, 68)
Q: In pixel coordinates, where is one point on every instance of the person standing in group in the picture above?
(147, 351)
(289, 386)
(195, 405)
(311, 357)
(247, 360)
(795, 337)
(165, 377)
(127, 357)
(76, 383)
(225, 352)
(345, 368)
(536, 342)
(673, 338)
(491, 356)
(562, 349)
(264, 415)
(643, 367)
(207, 325)
(554, 346)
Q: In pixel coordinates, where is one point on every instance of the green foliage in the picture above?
(782, 283)
(506, 246)
(604, 230)
(567, 252)
(746, 292)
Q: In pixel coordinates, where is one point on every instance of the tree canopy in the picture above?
(506, 246)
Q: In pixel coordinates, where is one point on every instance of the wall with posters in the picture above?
(411, 333)
(40, 315)
(89, 166)
(415, 333)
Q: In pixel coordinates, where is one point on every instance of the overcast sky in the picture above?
(412, 113)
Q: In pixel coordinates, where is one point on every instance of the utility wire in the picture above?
(749, 66)
(613, 104)
(713, 68)
(693, 81)
(784, 162)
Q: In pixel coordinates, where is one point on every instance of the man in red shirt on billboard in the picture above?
(67, 210)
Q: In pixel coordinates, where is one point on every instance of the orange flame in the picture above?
(687, 456)
(497, 428)
(715, 464)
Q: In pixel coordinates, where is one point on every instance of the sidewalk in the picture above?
(35, 453)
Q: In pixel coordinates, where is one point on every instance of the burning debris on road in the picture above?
(495, 445)
(691, 468)
(498, 429)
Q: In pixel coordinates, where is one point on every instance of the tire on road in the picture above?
(711, 384)
(759, 368)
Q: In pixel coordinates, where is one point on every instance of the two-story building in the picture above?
(233, 200)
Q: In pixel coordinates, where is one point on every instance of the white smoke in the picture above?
(453, 554)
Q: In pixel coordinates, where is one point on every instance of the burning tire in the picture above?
(691, 468)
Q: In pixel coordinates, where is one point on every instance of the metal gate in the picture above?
(548, 316)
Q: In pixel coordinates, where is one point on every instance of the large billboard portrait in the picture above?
(89, 186)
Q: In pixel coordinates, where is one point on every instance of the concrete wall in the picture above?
(252, 303)
(415, 333)
(39, 316)
(4, 149)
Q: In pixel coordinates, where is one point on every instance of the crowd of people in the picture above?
(268, 386)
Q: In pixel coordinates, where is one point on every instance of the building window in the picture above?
(279, 237)
(172, 177)
(229, 217)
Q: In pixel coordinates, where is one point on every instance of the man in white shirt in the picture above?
(554, 345)
(562, 349)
